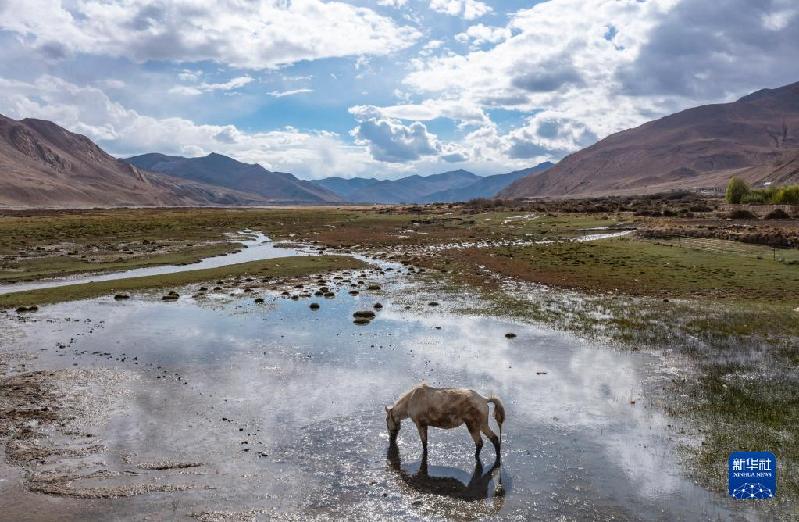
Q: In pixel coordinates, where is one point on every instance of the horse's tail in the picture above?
(499, 412)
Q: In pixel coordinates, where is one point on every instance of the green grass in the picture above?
(743, 410)
(40, 244)
(640, 267)
(281, 267)
(723, 246)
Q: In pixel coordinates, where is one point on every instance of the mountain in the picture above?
(486, 187)
(410, 189)
(345, 187)
(756, 137)
(222, 171)
(44, 165)
(455, 185)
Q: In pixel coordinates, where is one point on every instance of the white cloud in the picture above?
(389, 140)
(188, 75)
(112, 83)
(425, 111)
(392, 3)
(466, 9)
(393, 142)
(290, 92)
(254, 35)
(434, 44)
(479, 35)
(556, 61)
(194, 90)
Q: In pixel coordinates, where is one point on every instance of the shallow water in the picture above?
(258, 247)
(283, 407)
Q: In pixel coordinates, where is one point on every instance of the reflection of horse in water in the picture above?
(446, 408)
(478, 487)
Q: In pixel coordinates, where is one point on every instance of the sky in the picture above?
(383, 88)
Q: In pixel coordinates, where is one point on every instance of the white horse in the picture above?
(446, 408)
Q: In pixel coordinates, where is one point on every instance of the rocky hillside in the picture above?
(44, 165)
(756, 137)
(222, 171)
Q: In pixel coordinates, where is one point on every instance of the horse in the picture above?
(446, 408)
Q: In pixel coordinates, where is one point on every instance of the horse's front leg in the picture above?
(423, 436)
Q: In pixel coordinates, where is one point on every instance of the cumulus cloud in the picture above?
(695, 52)
(547, 135)
(392, 3)
(548, 75)
(479, 35)
(254, 35)
(586, 69)
(466, 9)
(558, 57)
(392, 142)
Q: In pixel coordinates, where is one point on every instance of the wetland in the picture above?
(633, 352)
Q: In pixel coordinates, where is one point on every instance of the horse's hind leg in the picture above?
(485, 428)
(474, 431)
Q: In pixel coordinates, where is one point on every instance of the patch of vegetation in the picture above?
(741, 213)
(50, 266)
(269, 268)
(744, 410)
(633, 267)
(739, 192)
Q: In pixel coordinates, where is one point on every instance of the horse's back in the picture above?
(446, 407)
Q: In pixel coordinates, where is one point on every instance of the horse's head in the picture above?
(392, 423)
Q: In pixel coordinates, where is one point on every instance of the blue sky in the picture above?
(383, 88)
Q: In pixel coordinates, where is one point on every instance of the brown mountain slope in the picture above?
(222, 171)
(44, 165)
(756, 137)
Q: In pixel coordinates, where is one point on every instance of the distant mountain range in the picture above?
(44, 165)
(756, 138)
(486, 187)
(410, 189)
(218, 170)
(455, 185)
